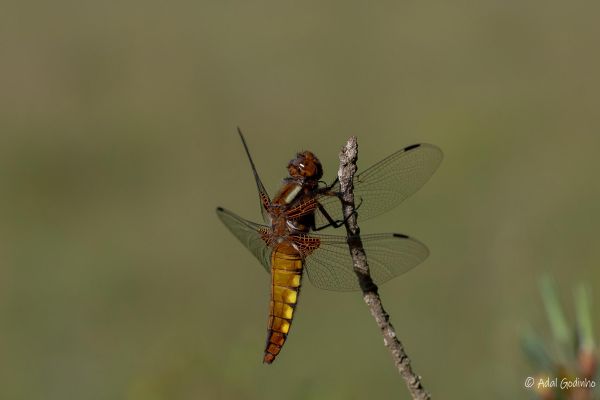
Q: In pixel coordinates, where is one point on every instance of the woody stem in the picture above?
(348, 158)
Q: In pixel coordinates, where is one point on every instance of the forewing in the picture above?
(329, 266)
(263, 196)
(253, 236)
(386, 184)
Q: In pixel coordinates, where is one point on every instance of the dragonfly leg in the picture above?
(336, 180)
(327, 188)
(326, 191)
(331, 222)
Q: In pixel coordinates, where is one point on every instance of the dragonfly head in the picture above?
(305, 166)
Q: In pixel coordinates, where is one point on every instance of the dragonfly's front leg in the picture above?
(331, 222)
(310, 205)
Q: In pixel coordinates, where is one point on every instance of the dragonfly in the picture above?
(289, 243)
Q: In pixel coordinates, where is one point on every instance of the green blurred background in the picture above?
(117, 142)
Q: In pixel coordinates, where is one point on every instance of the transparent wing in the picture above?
(386, 184)
(328, 262)
(250, 234)
(329, 265)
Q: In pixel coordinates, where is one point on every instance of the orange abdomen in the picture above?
(286, 278)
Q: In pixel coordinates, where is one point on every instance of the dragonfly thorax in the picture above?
(282, 227)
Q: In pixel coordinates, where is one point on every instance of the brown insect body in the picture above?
(287, 258)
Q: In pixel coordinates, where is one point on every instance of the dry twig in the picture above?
(348, 158)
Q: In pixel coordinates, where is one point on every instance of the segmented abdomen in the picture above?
(286, 278)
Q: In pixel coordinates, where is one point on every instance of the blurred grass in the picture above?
(569, 352)
(117, 141)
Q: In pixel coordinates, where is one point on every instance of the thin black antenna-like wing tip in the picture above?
(244, 143)
(261, 188)
(239, 131)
